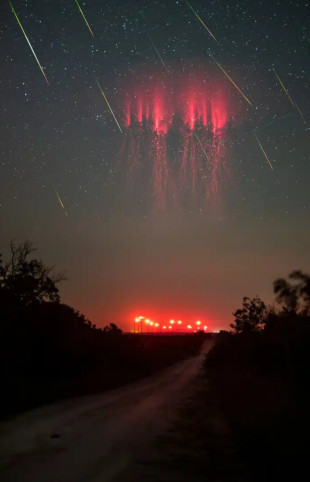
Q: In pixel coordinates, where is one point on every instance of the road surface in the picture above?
(95, 438)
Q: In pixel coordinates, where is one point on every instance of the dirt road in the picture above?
(97, 438)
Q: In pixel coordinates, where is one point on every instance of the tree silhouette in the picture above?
(112, 328)
(251, 317)
(293, 294)
(24, 281)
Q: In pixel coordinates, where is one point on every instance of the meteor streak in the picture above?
(300, 113)
(290, 98)
(260, 145)
(84, 18)
(29, 43)
(61, 203)
(283, 87)
(157, 53)
(200, 20)
(224, 71)
(203, 149)
(108, 105)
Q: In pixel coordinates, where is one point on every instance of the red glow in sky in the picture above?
(177, 126)
(195, 101)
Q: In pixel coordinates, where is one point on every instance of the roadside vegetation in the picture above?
(259, 376)
(49, 351)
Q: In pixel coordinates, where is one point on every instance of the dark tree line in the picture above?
(292, 300)
(28, 283)
(41, 339)
(259, 373)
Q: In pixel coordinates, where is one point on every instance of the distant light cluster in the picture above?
(143, 324)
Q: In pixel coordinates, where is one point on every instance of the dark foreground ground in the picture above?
(247, 418)
(33, 376)
(113, 436)
(239, 414)
(197, 446)
(260, 384)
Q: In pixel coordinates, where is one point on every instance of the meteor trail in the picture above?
(200, 20)
(61, 203)
(300, 113)
(260, 145)
(84, 18)
(157, 53)
(224, 71)
(108, 104)
(290, 98)
(29, 43)
(203, 149)
(283, 87)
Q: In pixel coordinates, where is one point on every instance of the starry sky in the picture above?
(66, 178)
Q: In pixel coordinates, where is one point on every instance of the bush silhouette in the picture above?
(251, 317)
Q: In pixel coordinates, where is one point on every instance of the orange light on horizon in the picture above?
(169, 325)
(139, 318)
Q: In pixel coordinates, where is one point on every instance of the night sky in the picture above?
(92, 194)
